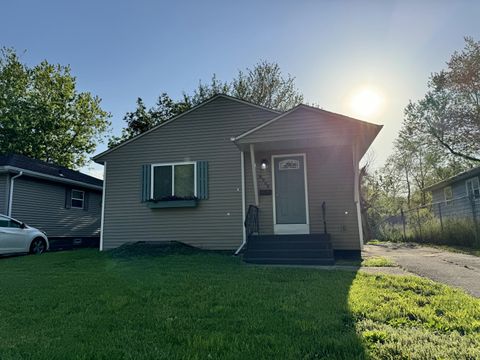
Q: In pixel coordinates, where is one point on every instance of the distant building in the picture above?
(457, 195)
(64, 203)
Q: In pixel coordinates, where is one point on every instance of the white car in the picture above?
(17, 237)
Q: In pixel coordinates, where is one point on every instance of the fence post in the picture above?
(403, 224)
(419, 224)
(475, 221)
(440, 215)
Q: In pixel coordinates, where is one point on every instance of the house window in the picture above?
(178, 179)
(78, 199)
(473, 188)
(447, 192)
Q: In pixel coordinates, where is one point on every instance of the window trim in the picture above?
(72, 198)
(445, 194)
(471, 180)
(173, 164)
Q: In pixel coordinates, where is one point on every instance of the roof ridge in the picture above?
(203, 103)
(27, 163)
(51, 164)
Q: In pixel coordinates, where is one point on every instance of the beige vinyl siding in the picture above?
(330, 177)
(203, 134)
(41, 204)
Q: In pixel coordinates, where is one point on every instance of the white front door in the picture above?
(290, 200)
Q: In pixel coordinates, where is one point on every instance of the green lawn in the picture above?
(378, 261)
(183, 304)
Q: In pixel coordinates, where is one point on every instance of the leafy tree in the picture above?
(43, 116)
(141, 119)
(264, 85)
(439, 137)
(450, 111)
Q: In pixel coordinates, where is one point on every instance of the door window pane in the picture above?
(162, 181)
(184, 180)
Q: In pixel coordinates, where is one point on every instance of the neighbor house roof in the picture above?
(96, 158)
(461, 176)
(45, 170)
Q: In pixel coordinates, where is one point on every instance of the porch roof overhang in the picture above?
(308, 127)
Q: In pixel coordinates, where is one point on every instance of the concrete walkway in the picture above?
(455, 269)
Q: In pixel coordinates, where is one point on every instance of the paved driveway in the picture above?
(454, 269)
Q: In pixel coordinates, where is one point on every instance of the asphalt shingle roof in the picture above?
(25, 163)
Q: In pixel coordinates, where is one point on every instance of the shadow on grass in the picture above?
(239, 310)
(144, 249)
(172, 302)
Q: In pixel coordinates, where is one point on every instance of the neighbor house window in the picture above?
(177, 179)
(78, 199)
(473, 187)
(447, 192)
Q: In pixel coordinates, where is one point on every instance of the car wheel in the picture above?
(38, 246)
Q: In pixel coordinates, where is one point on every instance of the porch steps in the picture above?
(311, 249)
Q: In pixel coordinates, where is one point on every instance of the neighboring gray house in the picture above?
(455, 196)
(201, 176)
(66, 204)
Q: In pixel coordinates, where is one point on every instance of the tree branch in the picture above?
(454, 152)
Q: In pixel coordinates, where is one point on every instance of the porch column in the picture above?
(356, 191)
(254, 173)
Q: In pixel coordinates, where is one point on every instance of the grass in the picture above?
(378, 261)
(144, 303)
(426, 229)
(376, 242)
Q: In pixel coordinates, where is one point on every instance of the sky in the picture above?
(342, 53)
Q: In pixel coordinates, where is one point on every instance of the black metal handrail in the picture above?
(251, 221)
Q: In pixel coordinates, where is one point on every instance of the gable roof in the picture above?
(304, 124)
(17, 162)
(300, 106)
(453, 179)
(96, 158)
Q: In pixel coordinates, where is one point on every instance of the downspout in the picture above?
(10, 195)
(242, 167)
(102, 216)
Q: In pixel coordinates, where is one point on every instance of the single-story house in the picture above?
(64, 203)
(232, 175)
(455, 196)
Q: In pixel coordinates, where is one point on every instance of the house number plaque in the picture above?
(289, 164)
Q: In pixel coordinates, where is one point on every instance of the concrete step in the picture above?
(292, 237)
(289, 253)
(290, 261)
(288, 245)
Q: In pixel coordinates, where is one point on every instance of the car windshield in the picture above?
(5, 221)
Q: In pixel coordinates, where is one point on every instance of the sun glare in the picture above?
(366, 103)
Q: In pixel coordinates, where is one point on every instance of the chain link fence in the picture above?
(452, 222)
